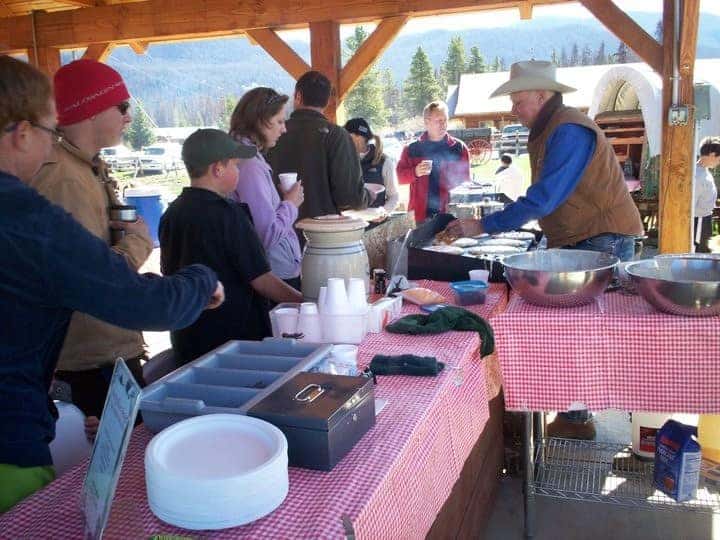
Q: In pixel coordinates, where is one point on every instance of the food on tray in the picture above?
(442, 248)
(503, 242)
(494, 249)
(517, 235)
(464, 242)
(444, 237)
(422, 296)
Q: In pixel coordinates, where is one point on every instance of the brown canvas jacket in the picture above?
(80, 184)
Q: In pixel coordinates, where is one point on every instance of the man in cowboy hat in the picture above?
(577, 191)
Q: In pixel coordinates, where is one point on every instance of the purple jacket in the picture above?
(273, 218)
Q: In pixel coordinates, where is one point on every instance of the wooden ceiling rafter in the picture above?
(369, 52)
(281, 52)
(169, 20)
(628, 31)
(98, 51)
(526, 10)
(139, 47)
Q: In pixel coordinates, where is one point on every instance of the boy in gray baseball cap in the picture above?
(203, 224)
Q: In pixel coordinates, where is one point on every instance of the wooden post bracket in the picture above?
(283, 54)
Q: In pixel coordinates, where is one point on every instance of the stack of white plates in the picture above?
(216, 471)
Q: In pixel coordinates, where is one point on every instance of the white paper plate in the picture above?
(216, 471)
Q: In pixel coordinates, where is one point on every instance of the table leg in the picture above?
(528, 485)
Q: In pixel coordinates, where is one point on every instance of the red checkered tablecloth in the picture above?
(391, 485)
(619, 352)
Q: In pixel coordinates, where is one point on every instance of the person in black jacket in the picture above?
(41, 284)
(320, 152)
(377, 166)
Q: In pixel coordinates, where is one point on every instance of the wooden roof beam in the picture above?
(98, 51)
(281, 52)
(325, 54)
(46, 60)
(159, 20)
(371, 49)
(677, 152)
(78, 3)
(526, 9)
(139, 47)
(630, 32)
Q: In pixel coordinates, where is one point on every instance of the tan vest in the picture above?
(600, 202)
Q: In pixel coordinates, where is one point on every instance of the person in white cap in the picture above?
(577, 191)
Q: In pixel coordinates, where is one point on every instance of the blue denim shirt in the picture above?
(49, 266)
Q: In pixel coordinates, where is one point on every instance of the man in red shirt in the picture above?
(433, 165)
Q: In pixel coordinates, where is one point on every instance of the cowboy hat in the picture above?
(531, 75)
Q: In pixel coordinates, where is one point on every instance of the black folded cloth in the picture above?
(405, 364)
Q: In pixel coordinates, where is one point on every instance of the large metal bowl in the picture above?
(559, 277)
(686, 285)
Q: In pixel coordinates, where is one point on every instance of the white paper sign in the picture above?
(118, 421)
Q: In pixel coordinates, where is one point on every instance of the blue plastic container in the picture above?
(468, 293)
(148, 201)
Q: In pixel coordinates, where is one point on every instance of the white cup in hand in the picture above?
(287, 180)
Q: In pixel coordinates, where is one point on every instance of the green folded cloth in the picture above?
(405, 364)
(444, 320)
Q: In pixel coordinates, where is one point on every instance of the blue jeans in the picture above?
(623, 247)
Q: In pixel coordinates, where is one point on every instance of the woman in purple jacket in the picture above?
(259, 119)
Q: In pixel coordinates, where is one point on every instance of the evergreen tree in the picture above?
(421, 87)
(498, 64)
(659, 31)
(366, 97)
(391, 96)
(601, 56)
(574, 55)
(476, 64)
(455, 62)
(587, 56)
(623, 53)
(563, 57)
(140, 132)
(554, 57)
(227, 106)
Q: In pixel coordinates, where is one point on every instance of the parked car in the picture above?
(161, 158)
(119, 157)
(514, 139)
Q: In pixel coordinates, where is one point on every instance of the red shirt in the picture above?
(429, 194)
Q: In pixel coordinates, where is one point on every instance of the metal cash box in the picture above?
(323, 416)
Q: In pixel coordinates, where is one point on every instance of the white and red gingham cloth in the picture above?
(619, 352)
(391, 485)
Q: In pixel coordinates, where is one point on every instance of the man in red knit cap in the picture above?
(93, 111)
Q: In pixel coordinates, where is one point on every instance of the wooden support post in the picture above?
(525, 10)
(369, 52)
(620, 24)
(47, 59)
(281, 52)
(98, 51)
(325, 54)
(677, 153)
(139, 47)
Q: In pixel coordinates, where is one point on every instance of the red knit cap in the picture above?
(84, 88)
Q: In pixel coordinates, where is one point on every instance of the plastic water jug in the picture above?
(709, 436)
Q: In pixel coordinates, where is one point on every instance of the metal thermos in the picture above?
(121, 212)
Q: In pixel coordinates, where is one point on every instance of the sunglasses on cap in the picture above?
(123, 107)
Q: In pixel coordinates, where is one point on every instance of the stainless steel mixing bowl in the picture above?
(559, 277)
(679, 284)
